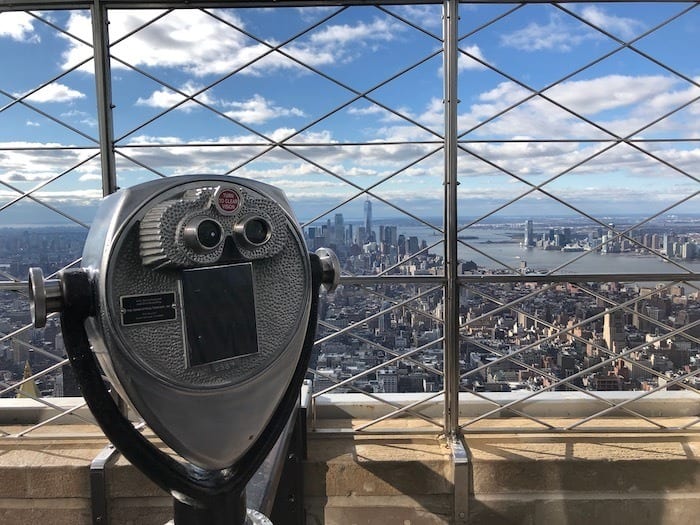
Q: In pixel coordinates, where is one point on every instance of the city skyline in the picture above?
(646, 358)
(18, 215)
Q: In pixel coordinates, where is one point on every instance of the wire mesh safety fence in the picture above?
(511, 188)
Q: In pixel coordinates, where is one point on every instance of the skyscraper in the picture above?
(368, 219)
(390, 235)
(339, 230)
(614, 331)
(529, 238)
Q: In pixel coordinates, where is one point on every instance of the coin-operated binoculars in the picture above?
(198, 298)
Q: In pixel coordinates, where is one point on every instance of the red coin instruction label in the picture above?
(228, 201)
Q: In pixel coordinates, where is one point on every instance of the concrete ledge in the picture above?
(141, 511)
(50, 511)
(586, 478)
(533, 479)
(47, 470)
(386, 465)
(377, 479)
(25, 411)
(546, 404)
(600, 509)
(402, 510)
(133, 498)
(44, 480)
(595, 463)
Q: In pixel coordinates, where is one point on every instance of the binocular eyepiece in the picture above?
(205, 225)
(203, 234)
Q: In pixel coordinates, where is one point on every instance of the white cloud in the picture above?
(89, 177)
(74, 197)
(619, 26)
(165, 98)
(81, 116)
(258, 110)
(616, 194)
(382, 115)
(505, 92)
(146, 140)
(466, 62)
(18, 26)
(609, 100)
(434, 114)
(619, 103)
(189, 40)
(318, 137)
(378, 29)
(609, 92)
(86, 197)
(555, 35)
(196, 43)
(422, 15)
(311, 14)
(24, 161)
(563, 34)
(55, 92)
(342, 43)
(664, 101)
(33, 124)
(220, 154)
(367, 110)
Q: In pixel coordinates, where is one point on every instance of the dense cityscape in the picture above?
(554, 334)
(546, 333)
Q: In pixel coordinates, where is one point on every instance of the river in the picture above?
(494, 249)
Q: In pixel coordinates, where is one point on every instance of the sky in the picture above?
(355, 98)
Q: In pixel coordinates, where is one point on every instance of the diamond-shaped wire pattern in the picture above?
(576, 161)
(49, 172)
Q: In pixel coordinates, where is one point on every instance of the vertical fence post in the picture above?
(103, 87)
(451, 294)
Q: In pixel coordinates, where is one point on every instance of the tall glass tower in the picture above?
(529, 239)
(368, 219)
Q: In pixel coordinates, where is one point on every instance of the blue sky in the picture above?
(336, 140)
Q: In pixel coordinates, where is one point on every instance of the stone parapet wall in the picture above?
(393, 478)
(364, 479)
(606, 478)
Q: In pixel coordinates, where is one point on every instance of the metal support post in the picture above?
(451, 294)
(98, 485)
(103, 86)
(460, 480)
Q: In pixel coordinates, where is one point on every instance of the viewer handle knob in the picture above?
(331, 268)
(45, 296)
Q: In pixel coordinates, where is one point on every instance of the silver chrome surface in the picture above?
(230, 399)
(331, 268)
(45, 296)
